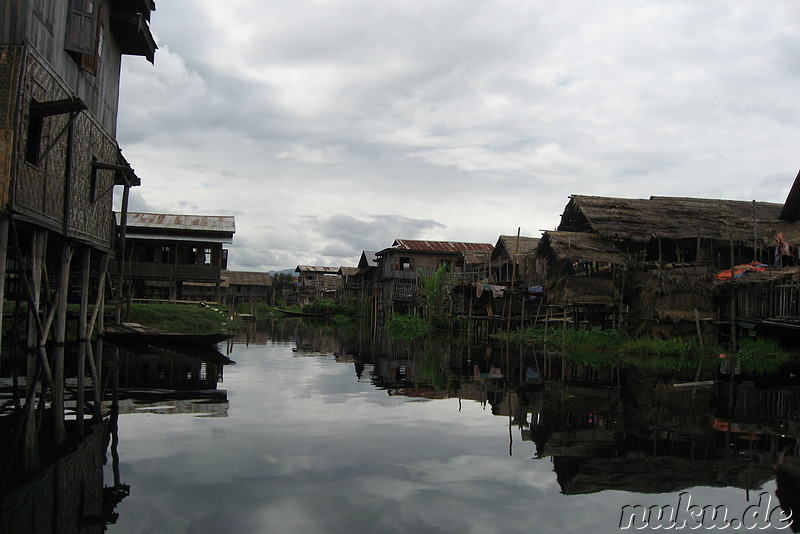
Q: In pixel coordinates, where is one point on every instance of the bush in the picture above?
(330, 308)
(406, 327)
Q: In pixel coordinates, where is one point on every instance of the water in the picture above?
(303, 444)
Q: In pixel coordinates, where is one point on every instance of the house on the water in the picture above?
(315, 281)
(766, 302)
(515, 257)
(651, 260)
(166, 253)
(399, 267)
(59, 163)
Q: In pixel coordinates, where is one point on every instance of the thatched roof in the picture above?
(574, 246)
(507, 244)
(791, 208)
(246, 278)
(641, 220)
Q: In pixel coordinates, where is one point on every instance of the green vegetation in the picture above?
(184, 318)
(761, 355)
(597, 348)
(331, 308)
(435, 292)
(406, 327)
(434, 368)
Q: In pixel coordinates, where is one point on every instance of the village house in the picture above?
(766, 301)
(166, 254)
(515, 257)
(399, 267)
(651, 260)
(59, 163)
(317, 282)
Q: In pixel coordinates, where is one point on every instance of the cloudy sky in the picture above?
(328, 127)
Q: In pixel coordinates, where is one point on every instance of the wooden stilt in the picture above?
(3, 258)
(83, 340)
(60, 339)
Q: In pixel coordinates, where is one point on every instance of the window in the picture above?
(207, 256)
(404, 264)
(82, 27)
(93, 183)
(165, 253)
(33, 144)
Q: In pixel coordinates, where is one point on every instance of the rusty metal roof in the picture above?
(163, 221)
(452, 247)
(317, 269)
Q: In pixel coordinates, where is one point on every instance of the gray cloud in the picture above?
(479, 117)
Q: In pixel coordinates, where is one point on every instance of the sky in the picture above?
(330, 127)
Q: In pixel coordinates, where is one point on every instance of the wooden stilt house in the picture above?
(59, 162)
(671, 248)
(166, 253)
(766, 302)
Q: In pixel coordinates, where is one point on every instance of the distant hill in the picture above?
(284, 271)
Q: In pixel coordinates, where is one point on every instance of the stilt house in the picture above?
(166, 252)
(59, 162)
(399, 267)
(662, 255)
(515, 257)
(766, 302)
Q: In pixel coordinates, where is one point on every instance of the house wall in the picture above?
(60, 192)
(43, 25)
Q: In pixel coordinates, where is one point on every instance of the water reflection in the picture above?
(603, 429)
(330, 424)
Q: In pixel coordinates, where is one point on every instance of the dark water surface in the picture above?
(295, 441)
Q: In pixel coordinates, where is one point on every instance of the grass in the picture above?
(598, 348)
(183, 318)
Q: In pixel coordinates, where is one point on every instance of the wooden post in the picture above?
(123, 230)
(60, 339)
(511, 288)
(82, 338)
(3, 257)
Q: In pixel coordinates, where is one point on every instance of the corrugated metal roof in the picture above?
(439, 246)
(367, 259)
(317, 269)
(160, 221)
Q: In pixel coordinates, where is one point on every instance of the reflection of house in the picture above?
(165, 252)
(168, 382)
(664, 251)
(399, 267)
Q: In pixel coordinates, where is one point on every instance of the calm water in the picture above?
(295, 441)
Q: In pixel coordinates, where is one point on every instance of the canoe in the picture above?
(290, 313)
(135, 333)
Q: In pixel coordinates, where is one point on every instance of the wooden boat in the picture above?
(289, 313)
(134, 333)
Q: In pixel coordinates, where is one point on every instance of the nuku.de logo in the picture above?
(686, 515)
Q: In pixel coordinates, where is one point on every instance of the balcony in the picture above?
(162, 271)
